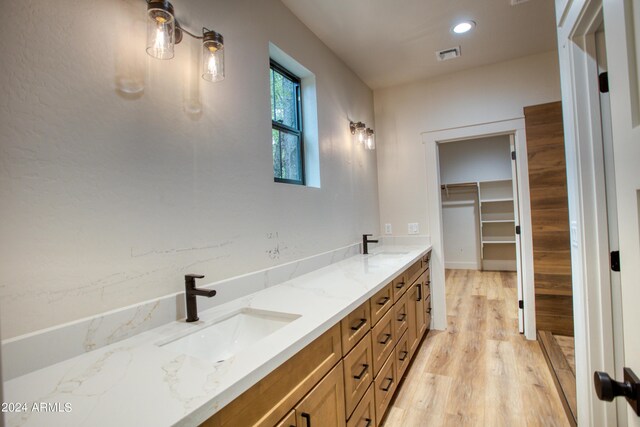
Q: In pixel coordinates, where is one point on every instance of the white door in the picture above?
(516, 217)
(622, 23)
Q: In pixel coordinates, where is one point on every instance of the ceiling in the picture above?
(390, 42)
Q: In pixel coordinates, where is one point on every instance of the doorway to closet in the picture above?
(480, 215)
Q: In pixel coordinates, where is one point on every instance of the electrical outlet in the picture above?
(412, 228)
(387, 229)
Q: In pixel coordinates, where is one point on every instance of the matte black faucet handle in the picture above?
(367, 235)
(193, 276)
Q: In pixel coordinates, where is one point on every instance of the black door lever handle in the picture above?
(607, 388)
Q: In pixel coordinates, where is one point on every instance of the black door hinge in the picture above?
(513, 155)
(517, 229)
(521, 304)
(603, 82)
(615, 260)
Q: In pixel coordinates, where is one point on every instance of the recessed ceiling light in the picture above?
(463, 27)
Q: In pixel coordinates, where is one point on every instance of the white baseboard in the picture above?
(461, 265)
(499, 265)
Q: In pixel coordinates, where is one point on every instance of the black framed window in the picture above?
(286, 126)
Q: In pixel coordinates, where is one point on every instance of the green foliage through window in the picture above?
(286, 125)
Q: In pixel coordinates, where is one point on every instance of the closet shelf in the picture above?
(495, 221)
(506, 199)
(498, 241)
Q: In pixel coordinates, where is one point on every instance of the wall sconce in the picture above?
(370, 142)
(359, 130)
(164, 32)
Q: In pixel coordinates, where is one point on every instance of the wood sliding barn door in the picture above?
(549, 218)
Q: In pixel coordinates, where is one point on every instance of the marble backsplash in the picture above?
(27, 353)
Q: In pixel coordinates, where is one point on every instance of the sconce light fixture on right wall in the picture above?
(363, 135)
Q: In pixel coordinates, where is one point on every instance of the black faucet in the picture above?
(365, 242)
(191, 292)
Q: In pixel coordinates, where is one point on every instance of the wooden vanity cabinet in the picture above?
(347, 376)
(358, 373)
(324, 405)
(355, 326)
(269, 400)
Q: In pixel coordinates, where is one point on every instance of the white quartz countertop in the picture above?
(135, 382)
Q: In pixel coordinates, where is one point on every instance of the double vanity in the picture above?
(325, 348)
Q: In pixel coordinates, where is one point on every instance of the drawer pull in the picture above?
(386, 339)
(307, 417)
(419, 292)
(429, 310)
(402, 317)
(400, 285)
(383, 300)
(359, 325)
(368, 420)
(403, 356)
(388, 385)
(365, 367)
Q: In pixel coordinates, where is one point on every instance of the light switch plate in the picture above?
(412, 228)
(387, 229)
(574, 234)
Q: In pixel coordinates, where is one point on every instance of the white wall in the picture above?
(481, 95)
(482, 159)
(109, 198)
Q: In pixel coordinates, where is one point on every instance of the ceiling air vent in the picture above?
(446, 54)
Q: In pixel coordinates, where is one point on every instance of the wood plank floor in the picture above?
(481, 371)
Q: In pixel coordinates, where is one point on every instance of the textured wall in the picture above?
(475, 96)
(109, 197)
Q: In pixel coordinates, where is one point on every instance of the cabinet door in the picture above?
(400, 315)
(412, 315)
(399, 286)
(383, 340)
(324, 405)
(365, 413)
(355, 326)
(385, 386)
(420, 303)
(358, 373)
(381, 302)
(288, 421)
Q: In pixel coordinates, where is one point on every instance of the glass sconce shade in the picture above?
(212, 56)
(359, 130)
(370, 142)
(161, 29)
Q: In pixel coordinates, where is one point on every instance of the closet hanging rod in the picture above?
(459, 184)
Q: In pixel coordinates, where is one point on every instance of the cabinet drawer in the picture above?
(426, 258)
(358, 373)
(413, 272)
(402, 352)
(272, 398)
(324, 405)
(288, 421)
(382, 340)
(400, 315)
(365, 413)
(385, 385)
(399, 286)
(381, 302)
(355, 326)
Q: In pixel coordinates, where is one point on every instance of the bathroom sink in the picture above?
(222, 338)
